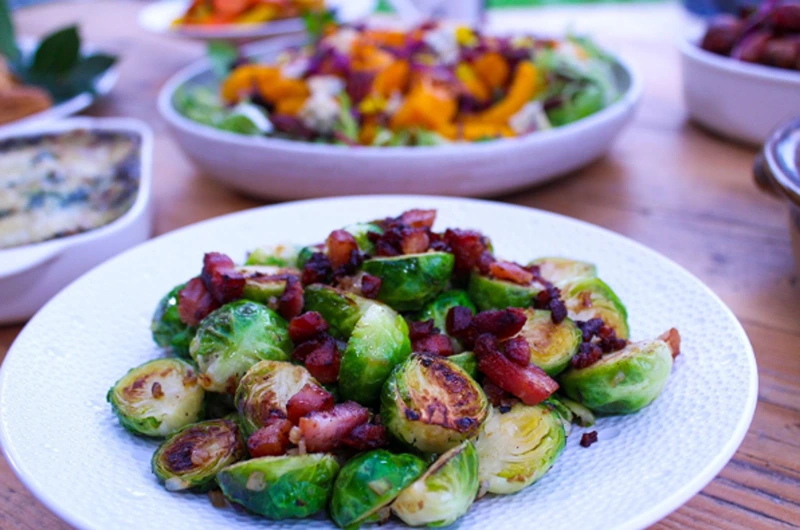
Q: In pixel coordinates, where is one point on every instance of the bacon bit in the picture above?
(310, 398)
(221, 278)
(341, 244)
(588, 354)
(485, 262)
(307, 326)
(438, 243)
(366, 436)
(467, 247)
(418, 218)
(550, 298)
(606, 341)
(270, 440)
(502, 323)
(370, 286)
(323, 359)
(496, 395)
(290, 303)
(421, 329)
(385, 249)
(505, 270)
(590, 328)
(588, 438)
(195, 302)
(530, 384)
(156, 390)
(323, 431)
(673, 340)
(317, 269)
(459, 321)
(518, 350)
(415, 241)
(437, 344)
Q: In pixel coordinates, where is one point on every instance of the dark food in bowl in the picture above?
(769, 35)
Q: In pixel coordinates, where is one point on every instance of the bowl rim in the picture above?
(24, 257)
(690, 49)
(627, 100)
(770, 171)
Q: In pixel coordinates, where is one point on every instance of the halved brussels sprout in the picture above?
(367, 485)
(340, 309)
(438, 308)
(491, 293)
(191, 458)
(282, 255)
(235, 337)
(379, 342)
(168, 329)
(560, 270)
(516, 448)
(432, 404)
(265, 390)
(411, 280)
(444, 492)
(593, 298)
(468, 361)
(359, 231)
(572, 411)
(263, 283)
(552, 345)
(621, 382)
(281, 487)
(157, 398)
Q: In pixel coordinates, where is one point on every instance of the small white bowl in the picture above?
(275, 168)
(738, 100)
(30, 275)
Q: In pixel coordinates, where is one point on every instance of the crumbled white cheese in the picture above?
(320, 112)
(529, 118)
(342, 41)
(295, 68)
(329, 85)
(444, 43)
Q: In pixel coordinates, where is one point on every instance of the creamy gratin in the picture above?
(62, 184)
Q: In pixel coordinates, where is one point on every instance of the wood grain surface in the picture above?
(666, 183)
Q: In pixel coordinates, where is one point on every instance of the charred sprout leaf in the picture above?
(444, 492)
(577, 414)
(360, 231)
(157, 398)
(518, 447)
(438, 308)
(379, 342)
(222, 56)
(491, 293)
(235, 337)
(432, 404)
(168, 329)
(281, 256)
(411, 280)
(191, 458)
(560, 270)
(265, 390)
(593, 298)
(621, 382)
(281, 487)
(265, 283)
(340, 309)
(370, 482)
(552, 345)
(467, 361)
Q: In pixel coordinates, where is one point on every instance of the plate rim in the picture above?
(658, 511)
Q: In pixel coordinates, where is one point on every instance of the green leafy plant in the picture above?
(57, 64)
(222, 56)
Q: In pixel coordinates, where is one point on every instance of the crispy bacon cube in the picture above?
(270, 440)
(530, 384)
(310, 398)
(323, 431)
(195, 302)
(221, 278)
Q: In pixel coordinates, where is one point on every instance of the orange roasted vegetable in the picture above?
(492, 69)
(472, 132)
(392, 79)
(275, 89)
(243, 81)
(290, 106)
(392, 39)
(523, 89)
(426, 106)
(366, 57)
(473, 85)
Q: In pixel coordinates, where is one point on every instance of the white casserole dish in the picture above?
(31, 274)
(735, 99)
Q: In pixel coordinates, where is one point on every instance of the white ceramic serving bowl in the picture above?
(74, 105)
(157, 17)
(736, 99)
(30, 275)
(276, 168)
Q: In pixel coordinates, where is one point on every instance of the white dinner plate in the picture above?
(74, 105)
(157, 17)
(277, 168)
(65, 444)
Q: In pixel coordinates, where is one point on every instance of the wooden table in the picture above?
(666, 183)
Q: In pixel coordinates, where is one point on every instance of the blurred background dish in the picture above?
(72, 194)
(777, 171)
(160, 17)
(270, 167)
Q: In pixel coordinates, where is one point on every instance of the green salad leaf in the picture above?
(222, 56)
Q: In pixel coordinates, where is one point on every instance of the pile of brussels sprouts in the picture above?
(391, 370)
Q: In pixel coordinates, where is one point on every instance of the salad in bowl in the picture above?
(434, 84)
